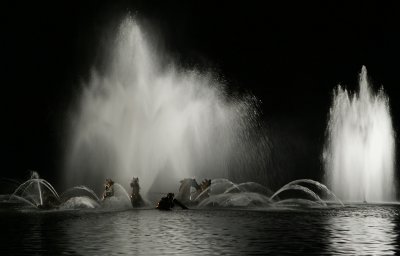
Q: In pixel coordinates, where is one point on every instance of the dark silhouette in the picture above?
(136, 198)
(168, 202)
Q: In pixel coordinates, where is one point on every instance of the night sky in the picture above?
(290, 56)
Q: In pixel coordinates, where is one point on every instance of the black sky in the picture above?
(288, 55)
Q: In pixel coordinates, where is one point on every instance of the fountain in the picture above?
(297, 193)
(120, 199)
(143, 115)
(312, 189)
(360, 148)
(36, 192)
(39, 193)
(79, 191)
(225, 193)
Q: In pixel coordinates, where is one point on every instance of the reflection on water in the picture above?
(362, 230)
(366, 231)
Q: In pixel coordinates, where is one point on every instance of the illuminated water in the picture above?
(144, 115)
(302, 217)
(360, 148)
(362, 229)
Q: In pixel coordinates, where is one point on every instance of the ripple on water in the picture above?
(345, 230)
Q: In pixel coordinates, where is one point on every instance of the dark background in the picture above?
(289, 55)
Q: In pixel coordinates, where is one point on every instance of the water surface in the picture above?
(362, 229)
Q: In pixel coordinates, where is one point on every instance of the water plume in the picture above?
(146, 116)
(359, 151)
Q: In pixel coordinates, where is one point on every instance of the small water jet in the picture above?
(250, 187)
(79, 191)
(359, 150)
(305, 192)
(298, 193)
(36, 192)
(79, 202)
(119, 200)
(225, 193)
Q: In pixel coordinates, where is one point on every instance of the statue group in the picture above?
(190, 193)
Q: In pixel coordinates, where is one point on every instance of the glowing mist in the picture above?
(360, 148)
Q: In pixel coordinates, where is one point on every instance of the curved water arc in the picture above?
(300, 188)
(319, 185)
(84, 188)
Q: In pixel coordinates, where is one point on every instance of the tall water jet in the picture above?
(360, 148)
(145, 116)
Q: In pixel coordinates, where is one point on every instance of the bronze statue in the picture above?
(168, 202)
(136, 198)
(108, 189)
(190, 192)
